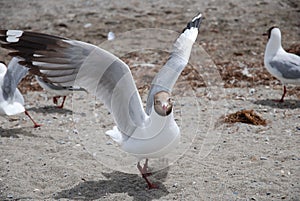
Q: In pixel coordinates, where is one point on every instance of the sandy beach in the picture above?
(70, 158)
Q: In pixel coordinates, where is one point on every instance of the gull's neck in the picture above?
(155, 117)
(3, 69)
(157, 121)
(274, 44)
(156, 124)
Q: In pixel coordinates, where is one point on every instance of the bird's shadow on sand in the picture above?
(50, 109)
(117, 182)
(15, 133)
(287, 104)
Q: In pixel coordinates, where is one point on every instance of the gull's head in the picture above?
(163, 103)
(273, 32)
(3, 68)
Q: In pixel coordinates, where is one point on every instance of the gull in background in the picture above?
(57, 90)
(150, 133)
(281, 64)
(11, 99)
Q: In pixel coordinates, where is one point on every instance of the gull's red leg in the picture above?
(144, 171)
(283, 95)
(63, 102)
(35, 124)
(55, 99)
(284, 92)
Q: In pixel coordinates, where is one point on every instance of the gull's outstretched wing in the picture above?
(289, 66)
(169, 73)
(65, 62)
(14, 74)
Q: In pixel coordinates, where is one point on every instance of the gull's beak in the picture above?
(164, 106)
(265, 34)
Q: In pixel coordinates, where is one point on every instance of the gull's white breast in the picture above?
(156, 140)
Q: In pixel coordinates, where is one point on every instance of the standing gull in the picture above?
(57, 90)
(11, 99)
(149, 133)
(281, 64)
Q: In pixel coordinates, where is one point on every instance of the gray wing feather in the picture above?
(14, 74)
(169, 73)
(166, 78)
(289, 68)
(65, 62)
(113, 83)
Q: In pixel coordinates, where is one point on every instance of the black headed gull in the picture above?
(281, 64)
(144, 134)
(57, 90)
(11, 99)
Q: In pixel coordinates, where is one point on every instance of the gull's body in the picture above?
(281, 64)
(160, 139)
(11, 99)
(143, 133)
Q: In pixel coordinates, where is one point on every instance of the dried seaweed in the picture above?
(295, 49)
(245, 116)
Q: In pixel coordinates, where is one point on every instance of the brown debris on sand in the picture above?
(295, 49)
(245, 116)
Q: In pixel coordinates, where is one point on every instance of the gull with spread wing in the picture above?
(143, 133)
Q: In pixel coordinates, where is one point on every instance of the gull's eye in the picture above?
(156, 102)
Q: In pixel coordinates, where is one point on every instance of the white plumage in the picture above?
(281, 64)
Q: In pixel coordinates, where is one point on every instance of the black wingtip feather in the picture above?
(196, 22)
